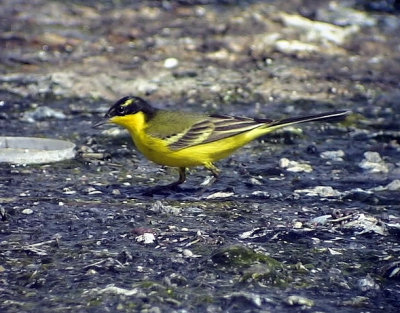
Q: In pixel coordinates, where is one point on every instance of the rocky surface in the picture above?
(306, 219)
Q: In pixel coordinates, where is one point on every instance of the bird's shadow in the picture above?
(156, 192)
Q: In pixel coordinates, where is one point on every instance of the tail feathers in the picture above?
(330, 116)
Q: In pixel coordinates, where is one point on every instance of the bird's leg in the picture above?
(181, 179)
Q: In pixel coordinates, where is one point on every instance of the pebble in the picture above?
(220, 194)
(293, 46)
(373, 163)
(321, 220)
(299, 300)
(42, 113)
(394, 185)
(146, 238)
(159, 207)
(171, 63)
(112, 289)
(93, 191)
(261, 194)
(297, 225)
(116, 192)
(335, 155)
(321, 191)
(336, 13)
(27, 211)
(68, 191)
(255, 182)
(315, 31)
(334, 252)
(367, 283)
(294, 166)
(187, 253)
(367, 224)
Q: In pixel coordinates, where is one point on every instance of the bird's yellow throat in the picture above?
(134, 123)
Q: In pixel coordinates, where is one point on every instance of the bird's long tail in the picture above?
(329, 116)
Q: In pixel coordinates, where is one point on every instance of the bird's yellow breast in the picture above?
(152, 148)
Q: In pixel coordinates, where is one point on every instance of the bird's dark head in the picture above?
(128, 111)
(130, 105)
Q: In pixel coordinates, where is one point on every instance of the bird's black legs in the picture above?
(182, 176)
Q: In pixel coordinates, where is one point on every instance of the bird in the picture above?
(184, 139)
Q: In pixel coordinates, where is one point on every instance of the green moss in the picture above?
(239, 256)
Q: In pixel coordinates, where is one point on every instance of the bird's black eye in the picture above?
(120, 110)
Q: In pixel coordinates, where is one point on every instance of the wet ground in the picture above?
(303, 220)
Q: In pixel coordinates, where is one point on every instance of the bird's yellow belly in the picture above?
(156, 151)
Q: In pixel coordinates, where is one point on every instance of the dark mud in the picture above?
(303, 220)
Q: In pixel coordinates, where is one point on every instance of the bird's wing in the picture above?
(212, 128)
(182, 130)
(172, 127)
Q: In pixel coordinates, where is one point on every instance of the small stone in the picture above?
(27, 211)
(336, 155)
(320, 32)
(339, 14)
(394, 185)
(255, 182)
(261, 194)
(91, 272)
(367, 283)
(146, 238)
(321, 191)
(116, 192)
(220, 194)
(68, 191)
(93, 191)
(42, 113)
(321, 220)
(294, 166)
(373, 157)
(159, 207)
(293, 46)
(171, 63)
(112, 289)
(297, 225)
(187, 253)
(299, 300)
(367, 224)
(334, 252)
(373, 163)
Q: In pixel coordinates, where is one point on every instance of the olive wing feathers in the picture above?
(202, 129)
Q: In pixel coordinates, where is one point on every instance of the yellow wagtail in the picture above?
(182, 139)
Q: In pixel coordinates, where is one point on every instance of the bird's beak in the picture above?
(103, 121)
